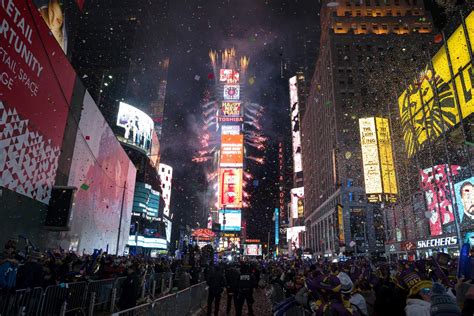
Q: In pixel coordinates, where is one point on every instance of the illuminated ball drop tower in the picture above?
(229, 96)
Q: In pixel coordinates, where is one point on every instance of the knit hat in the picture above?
(441, 303)
(413, 282)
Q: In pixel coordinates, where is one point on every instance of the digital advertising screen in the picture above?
(252, 249)
(232, 92)
(230, 129)
(292, 236)
(464, 191)
(232, 151)
(229, 76)
(439, 195)
(297, 202)
(138, 127)
(233, 220)
(437, 75)
(37, 84)
(146, 200)
(387, 166)
(230, 109)
(295, 126)
(230, 187)
(370, 156)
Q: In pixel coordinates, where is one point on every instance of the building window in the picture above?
(358, 13)
(369, 12)
(363, 27)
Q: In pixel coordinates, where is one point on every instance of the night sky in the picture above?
(272, 34)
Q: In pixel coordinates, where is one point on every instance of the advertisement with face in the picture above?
(439, 195)
(230, 187)
(253, 250)
(465, 202)
(295, 126)
(36, 82)
(138, 127)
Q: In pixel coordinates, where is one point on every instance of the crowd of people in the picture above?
(358, 287)
(27, 268)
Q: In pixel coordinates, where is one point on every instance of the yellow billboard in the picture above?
(428, 105)
(377, 159)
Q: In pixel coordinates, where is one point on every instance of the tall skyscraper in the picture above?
(353, 34)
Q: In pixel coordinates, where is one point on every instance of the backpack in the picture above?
(7, 275)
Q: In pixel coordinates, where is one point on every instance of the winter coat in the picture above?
(417, 307)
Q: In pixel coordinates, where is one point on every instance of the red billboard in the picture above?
(230, 188)
(36, 87)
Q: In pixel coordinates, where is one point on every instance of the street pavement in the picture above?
(261, 306)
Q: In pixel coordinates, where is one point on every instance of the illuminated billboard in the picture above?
(340, 224)
(428, 105)
(37, 85)
(230, 109)
(377, 159)
(464, 191)
(439, 195)
(252, 250)
(295, 126)
(146, 201)
(138, 127)
(230, 187)
(233, 220)
(293, 236)
(232, 150)
(297, 202)
(232, 92)
(229, 76)
(230, 129)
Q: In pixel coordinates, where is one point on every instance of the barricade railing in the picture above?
(185, 302)
(64, 298)
(99, 295)
(89, 297)
(21, 302)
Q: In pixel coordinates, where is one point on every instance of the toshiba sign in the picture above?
(437, 242)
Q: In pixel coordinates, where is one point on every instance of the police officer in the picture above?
(246, 286)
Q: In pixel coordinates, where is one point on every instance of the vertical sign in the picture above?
(295, 126)
(386, 156)
(281, 180)
(370, 156)
(340, 223)
(277, 231)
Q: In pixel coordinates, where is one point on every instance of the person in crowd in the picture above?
(351, 294)
(216, 282)
(245, 293)
(232, 277)
(30, 274)
(442, 304)
(130, 288)
(419, 295)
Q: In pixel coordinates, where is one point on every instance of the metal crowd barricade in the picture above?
(21, 302)
(64, 298)
(99, 295)
(185, 302)
(116, 293)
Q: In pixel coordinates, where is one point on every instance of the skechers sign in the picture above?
(437, 242)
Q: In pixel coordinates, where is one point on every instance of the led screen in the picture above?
(138, 127)
(297, 202)
(233, 220)
(231, 92)
(146, 200)
(230, 109)
(370, 156)
(292, 236)
(229, 76)
(37, 83)
(435, 82)
(438, 192)
(252, 250)
(295, 126)
(464, 191)
(230, 188)
(230, 129)
(232, 151)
